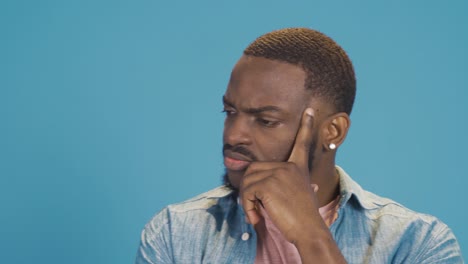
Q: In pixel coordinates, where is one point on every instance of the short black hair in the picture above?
(329, 71)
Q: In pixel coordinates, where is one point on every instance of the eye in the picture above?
(228, 112)
(267, 122)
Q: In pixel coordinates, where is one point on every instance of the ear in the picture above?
(335, 129)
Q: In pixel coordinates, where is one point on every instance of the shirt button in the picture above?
(245, 236)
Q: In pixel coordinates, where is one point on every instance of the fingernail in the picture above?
(310, 112)
(316, 188)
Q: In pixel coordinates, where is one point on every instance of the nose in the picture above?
(237, 130)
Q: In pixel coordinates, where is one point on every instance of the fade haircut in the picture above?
(329, 71)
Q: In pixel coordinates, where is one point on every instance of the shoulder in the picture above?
(377, 207)
(395, 216)
(386, 212)
(425, 237)
(219, 198)
(392, 226)
(172, 224)
(201, 208)
(380, 207)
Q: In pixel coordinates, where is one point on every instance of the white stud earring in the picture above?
(332, 146)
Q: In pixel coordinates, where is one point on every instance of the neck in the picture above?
(328, 181)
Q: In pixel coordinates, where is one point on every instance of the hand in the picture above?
(284, 188)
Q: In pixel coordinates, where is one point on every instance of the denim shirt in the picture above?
(211, 228)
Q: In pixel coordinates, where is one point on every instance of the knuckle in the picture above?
(277, 172)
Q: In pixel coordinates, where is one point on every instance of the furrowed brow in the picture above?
(256, 110)
(268, 108)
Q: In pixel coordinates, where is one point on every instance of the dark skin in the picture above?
(272, 115)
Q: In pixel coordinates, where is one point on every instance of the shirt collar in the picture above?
(349, 189)
(220, 192)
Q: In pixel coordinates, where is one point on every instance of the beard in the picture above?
(226, 182)
(225, 178)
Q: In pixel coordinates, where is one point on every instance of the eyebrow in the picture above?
(258, 110)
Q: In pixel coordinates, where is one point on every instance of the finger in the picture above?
(252, 216)
(262, 165)
(250, 204)
(315, 187)
(300, 152)
(252, 195)
(253, 178)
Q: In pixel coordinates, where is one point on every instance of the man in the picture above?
(284, 200)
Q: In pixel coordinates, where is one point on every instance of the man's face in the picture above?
(264, 102)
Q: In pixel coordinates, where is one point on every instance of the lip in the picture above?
(235, 164)
(235, 161)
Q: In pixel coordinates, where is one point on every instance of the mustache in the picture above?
(240, 150)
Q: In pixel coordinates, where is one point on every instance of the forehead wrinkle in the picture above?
(255, 110)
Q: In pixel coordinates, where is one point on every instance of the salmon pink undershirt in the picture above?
(272, 247)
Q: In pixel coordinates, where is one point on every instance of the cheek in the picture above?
(276, 148)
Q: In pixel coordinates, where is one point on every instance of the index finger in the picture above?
(300, 152)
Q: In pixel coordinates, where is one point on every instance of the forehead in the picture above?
(257, 82)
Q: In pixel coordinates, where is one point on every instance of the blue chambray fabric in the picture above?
(211, 228)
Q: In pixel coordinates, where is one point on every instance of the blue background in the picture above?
(110, 110)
